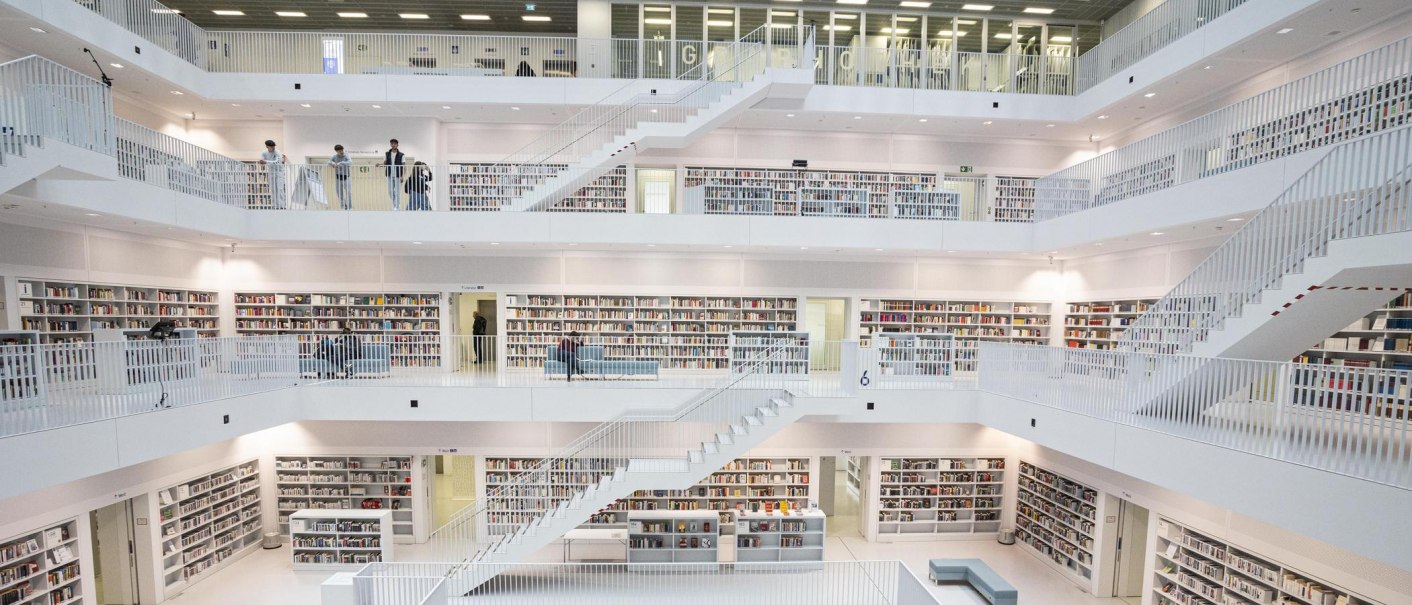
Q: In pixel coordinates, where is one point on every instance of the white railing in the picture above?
(943, 69)
(604, 451)
(48, 386)
(40, 98)
(1146, 35)
(1346, 420)
(156, 23)
(1359, 189)
(168, 162)
(402, 583)
(1355, 98)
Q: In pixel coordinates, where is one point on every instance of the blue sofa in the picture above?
(592, 362)
(373, 360)
(976, 573)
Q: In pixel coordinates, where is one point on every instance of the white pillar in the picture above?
(595, 52)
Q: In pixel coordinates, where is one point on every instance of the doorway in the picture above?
(453, 487)
(114, 554)
(656, 190)
(840, 494)
(970, 189)
(475, 354)
(825, 321)
(1130, 554)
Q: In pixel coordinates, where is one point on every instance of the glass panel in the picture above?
(847, 48)
(784, 36)
(625, 46)
(751, 19)
(720, 24)
(1027, 62)
(1059, 60)
(907, 34)
(625, 21)
(823, 50)
(656, 43)
(690, 24)
(875, 32)
(1087, 37)
(942, 40)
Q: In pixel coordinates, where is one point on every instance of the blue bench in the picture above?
(591, 361)
(373, 359)
(979, 575)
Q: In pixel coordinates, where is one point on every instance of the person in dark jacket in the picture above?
(419, 187)
(349, 349)
(392, 160)
(569, 354)
(478, 325)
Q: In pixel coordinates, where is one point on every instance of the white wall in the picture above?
(1130, 13)
(316, 136)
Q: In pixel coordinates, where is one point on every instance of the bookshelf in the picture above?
(1062, 196)
(489, 187)
(67, 312)
(207, 522)
(679, 332)
(1376, 108)
(809, 192)
(1147, 177)
(409, 322)
(788, 351)
(968, 321)
(1382, 339)
(1097, 324)
(1194, 568)
(21, 373)
(1013, 201)
(42, 566)
(927, 205)
(794, 536)
(243, 184)
(349, 483)
(914, 355)
(1056, 518)
(670, 536)
(339, 539)
(925, 498)
(854, 475)
(745, 485)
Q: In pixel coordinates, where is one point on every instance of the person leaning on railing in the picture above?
(569, 354)
(274, 163)
(419, 187)
(343, 186)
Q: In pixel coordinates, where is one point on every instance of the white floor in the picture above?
(264, 577)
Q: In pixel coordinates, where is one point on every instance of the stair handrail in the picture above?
(1359, 189)
(464, 530)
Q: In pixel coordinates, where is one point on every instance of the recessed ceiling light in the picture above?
(1156, 233)
(1039, 11)
(290, 14)
(1003, 36)
(906, 19)
(514, 109)
(475, 17)
(803, 247)
(178, 92)
(976, 7)
(910, 4)
(783, 13)
(117, 65)
(1234, 220)
(1150, 95)
(654, 21)
(38, 30)
(495, 243)
(413, 15)
(229, 13)
(1049, 126)
(922, 120)
(540, 18)
(947, 33)
(1285, 30)
(353, 15)
(656, 9)
(1102, 117)
(235, 104)
(966, 22)
(446, 107)
(417, 243)
(721, 11)
(90, 214)
(727, 246)
(1207, 67)
(845, 17)
(838, 28)
(857, 117)
(988, 122)
(789, 115)
(377, 107)
(305, 105)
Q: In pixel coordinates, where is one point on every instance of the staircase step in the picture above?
(781, 403)
(739, 430)
(752, 420)
(724, 439)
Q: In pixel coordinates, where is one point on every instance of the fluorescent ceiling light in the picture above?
(1234, 220)
(900, 30)
(839, 28)
(656, 9)
(229, 13)
(178, 92)
(906, 19)
(1039, 11)
(1102, 117)
(721, 11)
(1049, 126)
(976, 7)
(475, 17)
(514, 109)
(117, 65)
(377, 107)
(305, 105)
(290, 14)
(783, 13)
(446, 107)
(1156, 233)
(987, 122)
(845, 17)
(719, 23)
(413, 15)
(922, 120)
(857, 117)
(1061, 39)
(540, 18)
(966, 21)
(789, 115)
(1150, 95)
(852, 1)
(782, 25)
(353, 15)
(1285, 30)
(1003, 36)
(946, 33)
(910, 4)
(656, 21)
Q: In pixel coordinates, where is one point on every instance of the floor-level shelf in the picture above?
(770, 352)
(68, 311)
(969, 321)
(794, 536)
(329, 482)
(205, 523)
(928, 498)
(1097, 324)
(1057, 518)
(339, 539)
(408, 323)
(669, 536)
(42, 566)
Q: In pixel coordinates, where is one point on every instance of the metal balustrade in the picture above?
(1146, 35)
(47, 386)
(943, 69)
(40, 98)
(1359, 189)
(1346, 420)
(156, 23)
(165, 161)
(1361, 96)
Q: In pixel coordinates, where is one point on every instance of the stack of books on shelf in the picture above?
(408, 322)
(68, 312)
(206, 522)
(347, 483)
(491, 187)
(969, 321)
(806, 192)
(926, 498)
(1014, 199)
(42, 566)
(322, 539)
(1154, 175)
(1057, 518)
(1097, 324)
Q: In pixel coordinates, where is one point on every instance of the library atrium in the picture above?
(768, 302)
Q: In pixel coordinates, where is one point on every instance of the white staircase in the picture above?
(16, 167)
(734, 78)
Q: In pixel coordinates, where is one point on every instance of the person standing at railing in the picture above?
(342, 186)
(274, 163)
(419, 187)
(350, 348)
(569, 354)
(393, 161)
(478, 325)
